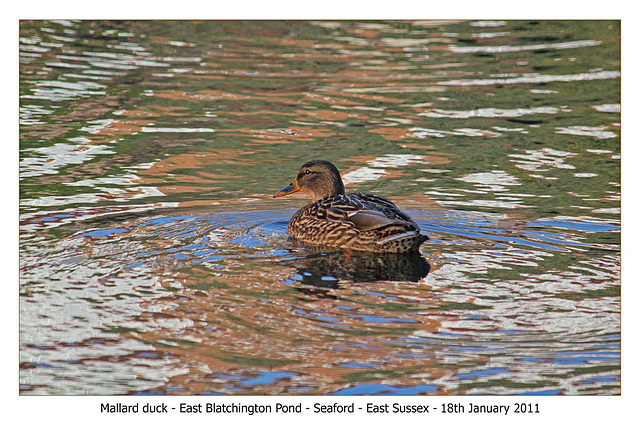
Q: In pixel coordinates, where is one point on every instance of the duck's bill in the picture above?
(287, 190)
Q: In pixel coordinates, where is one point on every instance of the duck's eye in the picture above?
(307, 172)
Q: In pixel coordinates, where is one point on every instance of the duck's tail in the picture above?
(403, 242)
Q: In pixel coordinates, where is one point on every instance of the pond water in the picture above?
(153, 259)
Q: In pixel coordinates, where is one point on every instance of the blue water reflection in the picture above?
(385, 389)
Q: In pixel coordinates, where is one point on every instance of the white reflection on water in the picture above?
(545, 91)
(507, 48)
(392, 89)
(607, 108)
(58, 156)
(492, 112)
(542, 160)
(487, 24)
(32, 48)
(108, 193)
(491, 181)
(126, 181)
(486, 203)
(82, 302)
(31, 222)
(488, 35)
(97, 125)
(419, 132)
(493, 186)
(534, 78)
(595, 131)
(29, 114)
(64, 91)
(399, 42)
(376, 168)
(362, 175)
(60, 64)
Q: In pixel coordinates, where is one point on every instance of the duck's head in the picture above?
(318, 177)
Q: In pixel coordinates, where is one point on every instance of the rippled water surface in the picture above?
(154, 260)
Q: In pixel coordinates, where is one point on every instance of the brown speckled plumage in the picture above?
(357, 221)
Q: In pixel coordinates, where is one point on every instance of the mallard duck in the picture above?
(357, 221)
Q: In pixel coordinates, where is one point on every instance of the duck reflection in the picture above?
(324, 267)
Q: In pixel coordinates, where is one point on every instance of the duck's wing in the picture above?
(338, 208)
(384, 205)
(365, 211)
(367, 219)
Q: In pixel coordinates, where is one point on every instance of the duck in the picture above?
(354, 221)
